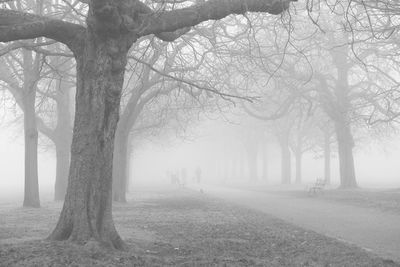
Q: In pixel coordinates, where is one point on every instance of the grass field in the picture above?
(176, 227)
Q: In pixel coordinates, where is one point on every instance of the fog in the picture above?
(199, 133)
(376, 163)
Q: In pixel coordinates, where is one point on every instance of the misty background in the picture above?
(377, 162)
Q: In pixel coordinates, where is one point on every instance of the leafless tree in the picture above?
(100, 49)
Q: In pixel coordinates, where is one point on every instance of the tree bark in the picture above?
(86, 214)
(101, 51)
(120, 166)
(346, 160)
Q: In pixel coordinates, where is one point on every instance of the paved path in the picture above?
(375, 231)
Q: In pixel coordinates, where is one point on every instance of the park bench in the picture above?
(318, 186)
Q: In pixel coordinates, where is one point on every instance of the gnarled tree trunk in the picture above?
(86, 214)
(101, 53)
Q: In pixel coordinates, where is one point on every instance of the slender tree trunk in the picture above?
(31, 73)
(327, 157)
(62, 140)
(299, 157)
(31, 193)
(62, 168)
(87, 210)
(286, 168)
(346, 160)
(120, 168)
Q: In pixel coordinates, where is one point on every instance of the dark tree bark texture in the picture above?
(120, 168)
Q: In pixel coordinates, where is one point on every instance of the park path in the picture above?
(373, 230)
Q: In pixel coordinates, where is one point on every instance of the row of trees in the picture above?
(101, 46)
(333, 79)
(316, 73)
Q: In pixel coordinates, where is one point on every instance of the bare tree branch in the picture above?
(16, 25)
(170, 21)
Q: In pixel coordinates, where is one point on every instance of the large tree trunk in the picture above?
(286, 168)
(31, 193)
(346, 160)
(120, 168)
(327, 157)
(87, 210)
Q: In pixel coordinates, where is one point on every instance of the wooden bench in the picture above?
(318, 186)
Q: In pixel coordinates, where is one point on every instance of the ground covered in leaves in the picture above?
(176, 227)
